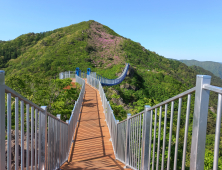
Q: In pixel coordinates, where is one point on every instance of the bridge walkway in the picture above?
(92, 148)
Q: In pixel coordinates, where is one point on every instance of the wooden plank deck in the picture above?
(92, 148)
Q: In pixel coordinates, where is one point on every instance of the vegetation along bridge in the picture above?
(93, 139)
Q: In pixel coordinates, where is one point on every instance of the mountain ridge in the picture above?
(91, 44)
(214, 67)
(34, 61)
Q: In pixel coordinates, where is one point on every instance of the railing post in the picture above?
(2, 119)
(45, 135)
(59, 117)
(127, 140)
(199, 123)
(145, 137)
(116, 135)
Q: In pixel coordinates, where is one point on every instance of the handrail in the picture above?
(168, 101)
(111, 82)
(75, 112)
(20, 97)
(50, 139)
(67, 74)
(104, 81)
(213, 88)
(71, 74)
(132, 137)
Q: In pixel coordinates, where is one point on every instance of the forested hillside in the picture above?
(33, 62)
(216, 80)
(214, 67)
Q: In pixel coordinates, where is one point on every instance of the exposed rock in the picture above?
(133, 87)
(130, 72)
(143, 49)
(118, 74)
(111, 91)
(118, 101)
(124, 86)
(212, 109)
(128, 86)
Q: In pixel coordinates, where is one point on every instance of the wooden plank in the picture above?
(92, 148)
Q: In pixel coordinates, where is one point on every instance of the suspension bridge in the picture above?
(93, 139)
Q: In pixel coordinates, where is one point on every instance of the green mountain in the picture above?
(33, 62)
(214, 67)
(217, 81)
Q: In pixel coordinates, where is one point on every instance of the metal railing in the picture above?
(140, 142)
(110, 82)
(75, 112)
(93, 74)
(104, 81)
(71, 74)
(82, 74)
(67, 74)
(47, 138)
(139, 135)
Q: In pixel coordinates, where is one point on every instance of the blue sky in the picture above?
(190, 29)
